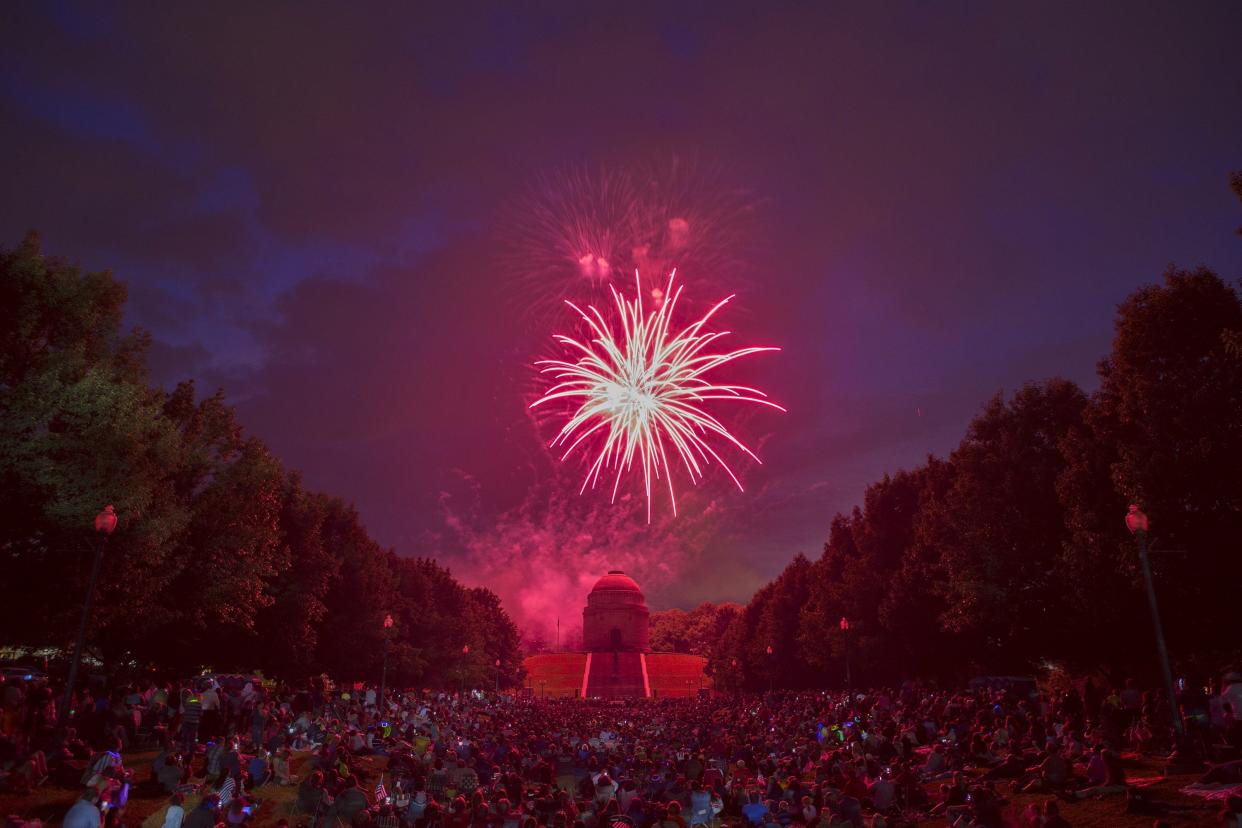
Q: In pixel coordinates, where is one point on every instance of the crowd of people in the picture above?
(475, 760)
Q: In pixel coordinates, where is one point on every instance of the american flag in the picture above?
(381, 793)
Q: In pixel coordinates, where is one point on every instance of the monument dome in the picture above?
(616, 661)
(616, 618)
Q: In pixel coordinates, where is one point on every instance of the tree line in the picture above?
(221, 557)
(1011, 554)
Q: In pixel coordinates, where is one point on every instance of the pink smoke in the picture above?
(543, 557)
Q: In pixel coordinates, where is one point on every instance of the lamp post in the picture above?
(461, 672)
(771, 672)
(497, 675)
(1137, 523)
(543, 688)
(105, 522)
(384, 671)
(845, 635)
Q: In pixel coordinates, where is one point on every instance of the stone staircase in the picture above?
(616, 675)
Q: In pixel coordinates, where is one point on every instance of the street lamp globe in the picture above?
(388, 622)
(845, 624)
(105, 521)
(1136, 519)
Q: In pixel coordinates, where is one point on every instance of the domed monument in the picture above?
(616, 618)
(616, 661)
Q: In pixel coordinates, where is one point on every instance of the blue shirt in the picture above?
(82, 815)
(754, 812)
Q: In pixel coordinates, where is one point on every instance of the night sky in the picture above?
(306, 201)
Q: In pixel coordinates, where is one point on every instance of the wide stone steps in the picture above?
(616, 675)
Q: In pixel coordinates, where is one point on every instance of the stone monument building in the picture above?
(616, 659)
(616, 618)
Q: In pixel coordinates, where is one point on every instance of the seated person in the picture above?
(1114, 781)
(1014, 767)
(259, 769)
(170, 773)
(1054, 773)
(281, 768)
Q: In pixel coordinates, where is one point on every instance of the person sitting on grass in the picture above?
(1052, 815)
(1114, 781)
(951, 796)
(1014, 767)
(1053, 773)
(313, 797)
(27, 774)
(170, 773)
(238, 814)
(230, 789)
(260, 770)
(175, 814)
(281, 767)
(85, 812)
(349, 801)
(204, 816)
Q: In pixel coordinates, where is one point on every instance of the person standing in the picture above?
(210, 700)
(191, 718)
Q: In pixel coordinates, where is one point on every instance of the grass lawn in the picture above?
(147, 803)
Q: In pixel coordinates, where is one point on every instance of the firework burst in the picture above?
(642, 392)
(581, 230)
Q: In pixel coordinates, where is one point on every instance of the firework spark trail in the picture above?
(581, 229)
(643, 390)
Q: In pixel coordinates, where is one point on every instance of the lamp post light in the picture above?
(388, 624)
(845, 635)
(105, 522)
(771, 671)
(1183, 756)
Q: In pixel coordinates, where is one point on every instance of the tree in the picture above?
(288, 628)
(78, 430)
(854, 577)
(1000, 527)
(915, 592)
(1165, 424)
(678, 631)
(220, 555)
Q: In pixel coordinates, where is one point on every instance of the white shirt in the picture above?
(210, 699)
(174, 816)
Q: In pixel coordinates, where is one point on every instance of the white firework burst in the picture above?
(642, 392)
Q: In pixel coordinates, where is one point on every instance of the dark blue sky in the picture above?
(305, 200)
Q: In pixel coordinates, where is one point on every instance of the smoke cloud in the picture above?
(543, 557)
